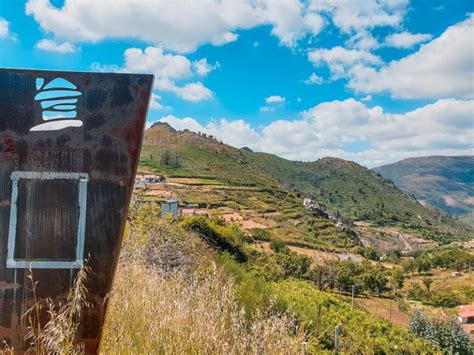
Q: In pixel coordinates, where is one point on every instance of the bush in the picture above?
(279, 246)
(221, 236)
(445, 299)
(445, 334)
(415, 292)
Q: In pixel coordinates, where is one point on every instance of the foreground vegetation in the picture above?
(177, 295)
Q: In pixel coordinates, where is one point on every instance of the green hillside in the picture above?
(357, 193)
(446, 183)
(264, 182)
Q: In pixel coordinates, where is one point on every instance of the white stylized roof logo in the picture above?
(58, 100)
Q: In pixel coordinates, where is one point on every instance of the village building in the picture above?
(147, 179)
(189, 212)
(169, 207)
(466, 317)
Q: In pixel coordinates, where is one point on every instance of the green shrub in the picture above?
(445, 334)
(445, 299)
(279, 246)
(223, 237)
(415, 292)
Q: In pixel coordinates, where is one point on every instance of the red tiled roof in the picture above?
(466, 311)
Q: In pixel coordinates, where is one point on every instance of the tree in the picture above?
(408, 265)
(375, 280)
(397, 278)
(423, 264)
(346, 275)
(427, 282)
(324, 275)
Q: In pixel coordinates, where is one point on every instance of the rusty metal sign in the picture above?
(69, 145)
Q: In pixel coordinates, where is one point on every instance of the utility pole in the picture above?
(353, 294)
(336, 339)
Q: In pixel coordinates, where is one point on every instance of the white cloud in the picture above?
(202, 67)
(51, 46)
(168, 70)
(4, 28)
(178, 25)
(340, 60)
(267, 109)
(352, 16)
(331, 128)
(194, 92)
(154, 60)
(154, 102)
(105, 68)
(366, 98)
(275, 99)
(406, 39)
(363, 40)
(314, 79)
(183, 25)
(441, 68)
(291, 22)
(183, 123)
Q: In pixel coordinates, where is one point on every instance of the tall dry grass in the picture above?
(169, 298)
(152, 313)
(58, 334)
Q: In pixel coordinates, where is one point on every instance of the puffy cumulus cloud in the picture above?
(194, 92)
(183, 123)
(184, 25)
(154, 60)
(357, 18)
(337, 128)
(352, 16)
(202, 67)
(406, 39)
(179, 25)
(237, 133)
(341, 60)
(363, 40)
(314, 79)
(441, 68)
(291, 20)
(4, 28)
(168, 70)
(273, 102)
(275, 99)
(154, 102)
(51, 46)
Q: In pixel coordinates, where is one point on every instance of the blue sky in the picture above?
(373, 81)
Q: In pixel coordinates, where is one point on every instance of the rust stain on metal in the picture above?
(69, 146)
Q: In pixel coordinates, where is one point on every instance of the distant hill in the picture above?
(345, 189)
(446, 183)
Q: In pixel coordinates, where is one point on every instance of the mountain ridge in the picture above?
(444, 182)
(345, 189)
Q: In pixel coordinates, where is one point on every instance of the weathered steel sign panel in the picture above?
(69, 145)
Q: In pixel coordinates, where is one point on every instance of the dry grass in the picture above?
(169, 298)
(151, 313)
(58, 334)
